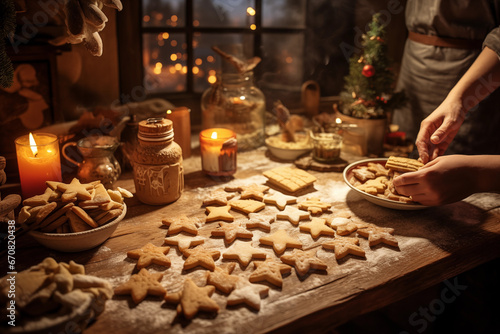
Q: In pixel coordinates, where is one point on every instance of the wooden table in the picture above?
(434, 245)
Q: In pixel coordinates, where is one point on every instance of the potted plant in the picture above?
(368, 97)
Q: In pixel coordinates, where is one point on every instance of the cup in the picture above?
(326, 146)
(98, 162)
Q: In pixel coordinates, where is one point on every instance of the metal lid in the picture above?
(155, 129)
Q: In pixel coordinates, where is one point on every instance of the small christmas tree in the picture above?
(368, 90)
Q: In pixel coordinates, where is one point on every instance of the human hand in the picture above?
(439, 128)
(444, 180)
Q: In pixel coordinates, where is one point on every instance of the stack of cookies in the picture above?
(73, 207)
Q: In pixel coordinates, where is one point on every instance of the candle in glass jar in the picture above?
(38, 161)
(181, 121)
(218, 151)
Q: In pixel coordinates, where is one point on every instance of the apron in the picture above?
(429, 72)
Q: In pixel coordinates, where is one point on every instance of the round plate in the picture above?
(79, 241)
(374, 199)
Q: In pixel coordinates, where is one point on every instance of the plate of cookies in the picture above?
(372, 179)
(73, 217)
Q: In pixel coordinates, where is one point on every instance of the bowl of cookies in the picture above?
(372, 180)
(289, 150)
(73, 217)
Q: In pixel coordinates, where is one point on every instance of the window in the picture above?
(176, 62)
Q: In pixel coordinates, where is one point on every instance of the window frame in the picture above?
(130, 32)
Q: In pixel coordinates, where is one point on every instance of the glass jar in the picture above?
(233, 102)
(157, 163)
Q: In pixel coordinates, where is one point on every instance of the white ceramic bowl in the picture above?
(374, 199)
(79, 241)
(286, 153)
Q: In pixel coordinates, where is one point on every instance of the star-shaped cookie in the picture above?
(293, 215)
(343, 246)
(149, 254)
(181, 223)
(142, 284)
(222, 278)
(316, 227)
(378, 235)
(243, 252)
(279, 200)
(314, 206)
(303, 261)
(262, 219)
(247, 293)
(193, 298)
(75, 190)
(343, 226)
(231, 231)
(280, 240)
(269, 270)
(218, 197)
(183, 241)
(254, 191)
(200, 256)
(219, 213)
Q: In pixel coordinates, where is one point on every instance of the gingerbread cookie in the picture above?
(260, 220)
(270, 271)
(219, 213)
(280, 240)
(184, 242)
(317, 227)
(247, 293)
(222, 278)
(343, 226)
(362, 174)
(303, 261)
(218, 197)
(375, 186)
(246, 205)
(231, 231)
(150, 254)
(253, 191)
(74, 190)
(279, 200)
(244, 253)
(193, 298)
(403, 165)
(181, 223)
(290, 179)
(142, 284)
(314, 206)
(377, 169)
(378, 235)
(200, 256)
(293, 215)
(343, 246)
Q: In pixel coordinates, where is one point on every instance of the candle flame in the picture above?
(338, 121)
(214, 135)
(34, 149)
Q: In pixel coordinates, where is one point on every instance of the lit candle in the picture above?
(182, 128)
(218, 151)
(38, 161)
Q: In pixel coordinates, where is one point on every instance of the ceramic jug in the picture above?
(98, 162)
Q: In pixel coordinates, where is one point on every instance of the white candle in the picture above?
(218, 151)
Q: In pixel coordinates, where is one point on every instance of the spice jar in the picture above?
(157, 163)
(233, 102)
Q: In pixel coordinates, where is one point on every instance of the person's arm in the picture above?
(450, 178)
(439, 128)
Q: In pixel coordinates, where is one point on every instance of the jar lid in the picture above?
(155, 129)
